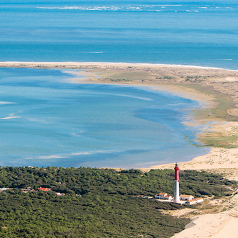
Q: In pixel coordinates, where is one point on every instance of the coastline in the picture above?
(68, 64)
(186, 81)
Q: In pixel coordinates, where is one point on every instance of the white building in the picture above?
(163, 196)
(191, 202)
(186, 198)
(199, 200)
(194, 201)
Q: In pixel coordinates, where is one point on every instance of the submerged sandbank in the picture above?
(215, 88)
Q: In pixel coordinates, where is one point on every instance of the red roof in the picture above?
(45, 189)
(183, 195)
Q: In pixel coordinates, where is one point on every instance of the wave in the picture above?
(94, 152)
(113, 8)
(51, 157)
(5, 102)
(37, 120)
(7, 118)
(124, 95)
(90, 52)
(140, 8)
(10, 116)
(64, 156)
(225, 59)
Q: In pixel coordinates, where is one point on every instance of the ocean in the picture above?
(47, 121)
(202, 33)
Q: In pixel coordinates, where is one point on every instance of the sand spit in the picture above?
(93, 64)
(182, 79)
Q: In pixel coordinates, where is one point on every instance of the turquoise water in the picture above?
(203, 33)
(46, 121)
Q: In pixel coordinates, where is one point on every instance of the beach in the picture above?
(215, 89)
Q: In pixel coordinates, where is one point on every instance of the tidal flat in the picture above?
(213, 88)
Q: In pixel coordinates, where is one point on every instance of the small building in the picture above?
(194, 201)
(45, 189)
(160, 196)
(60, 194)
(191, 202)
(164, 196)
(186, 198)
(26, 190)
(199, 200)
(168, 197)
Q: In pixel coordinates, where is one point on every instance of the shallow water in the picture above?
(46, 121)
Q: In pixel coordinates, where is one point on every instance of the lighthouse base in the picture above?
(176, 191)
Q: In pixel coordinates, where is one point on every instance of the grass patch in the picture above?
(222, 104)
(130, 76)
(216, 139)
(169, 77)
(119, 80)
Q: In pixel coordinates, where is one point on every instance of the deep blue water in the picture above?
(47, 121)
(203, 33)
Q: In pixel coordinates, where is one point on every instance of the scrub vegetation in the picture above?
(97, 202)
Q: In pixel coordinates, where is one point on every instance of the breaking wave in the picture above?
(138, 8)
(62, 156)
(114, 8)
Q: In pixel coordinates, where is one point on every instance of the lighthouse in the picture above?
(176, 184)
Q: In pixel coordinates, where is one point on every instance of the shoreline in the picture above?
(66, 64)
(182, 80)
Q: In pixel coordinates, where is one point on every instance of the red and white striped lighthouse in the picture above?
(176, 184)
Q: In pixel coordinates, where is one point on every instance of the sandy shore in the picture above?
(100, 64)
(217, 89)
(217, 158)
